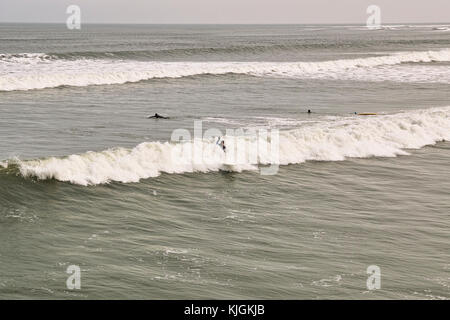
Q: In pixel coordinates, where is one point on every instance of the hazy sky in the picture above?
(225, 11)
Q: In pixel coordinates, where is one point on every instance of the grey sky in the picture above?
(225, 11)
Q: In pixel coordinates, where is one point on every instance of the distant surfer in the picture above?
(221, 144)
(157, 116)
(309, 111)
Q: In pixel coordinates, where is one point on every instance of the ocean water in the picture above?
(86, 179)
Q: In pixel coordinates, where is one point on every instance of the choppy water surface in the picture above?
(86, 179)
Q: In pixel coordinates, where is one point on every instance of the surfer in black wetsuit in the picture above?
(157, 116)
(309, 111)
(221, 144)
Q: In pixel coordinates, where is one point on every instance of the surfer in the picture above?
(221, 144)
(309, 111)
(157, 116)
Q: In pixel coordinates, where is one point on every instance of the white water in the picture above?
(37, 71)
(328, 140)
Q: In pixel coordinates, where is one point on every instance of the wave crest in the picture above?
(38, 71)
(381, 136)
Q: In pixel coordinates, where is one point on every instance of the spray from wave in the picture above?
(331, 140)
(38, 71)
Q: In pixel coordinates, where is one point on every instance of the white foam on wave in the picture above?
(330, 140)
(24, 58)
(260, 122)
(38, 71)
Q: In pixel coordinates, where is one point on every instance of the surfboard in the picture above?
(367, 114)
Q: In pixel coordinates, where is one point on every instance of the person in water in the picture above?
(221, 144)
(157, 116)
(309, 111)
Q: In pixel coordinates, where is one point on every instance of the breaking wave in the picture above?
(37, 71)
(329, 140)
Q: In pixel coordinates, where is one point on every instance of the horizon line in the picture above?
(222, 23)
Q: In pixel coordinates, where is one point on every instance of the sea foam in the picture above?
(38, 71)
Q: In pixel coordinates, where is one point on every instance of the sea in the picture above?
(348, 201)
